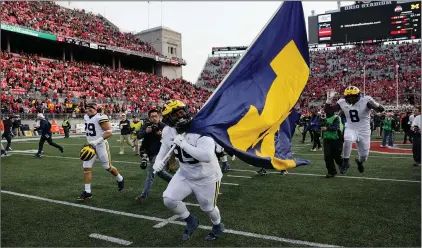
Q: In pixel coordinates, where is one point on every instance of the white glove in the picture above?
(158, 166)
(179, 140)
(330, 96)
(94, 143)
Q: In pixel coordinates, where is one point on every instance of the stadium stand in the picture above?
(37, 85)
(47, 16)
(328, 72)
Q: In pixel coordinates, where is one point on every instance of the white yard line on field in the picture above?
(319, 175)
(165, 222)
(145, 217)
(110, 239)
(252, 171)
(239, 176)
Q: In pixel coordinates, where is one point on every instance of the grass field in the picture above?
(303, 208)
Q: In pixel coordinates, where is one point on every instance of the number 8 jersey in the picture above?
(358, 115)
(92, 126)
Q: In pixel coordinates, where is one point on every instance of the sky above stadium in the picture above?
(203, 25)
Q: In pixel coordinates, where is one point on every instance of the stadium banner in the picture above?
(101, 47)
(25, 31)
(366, 4)
(224, 49)
(93, 46)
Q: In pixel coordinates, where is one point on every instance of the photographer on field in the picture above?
(151, 144)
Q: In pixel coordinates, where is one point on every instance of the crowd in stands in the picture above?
(328, 72)
(58, 87)
(46, 16)
(215, 70)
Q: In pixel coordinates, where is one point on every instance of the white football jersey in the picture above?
(198, 172)
(92, 126)
(358, 115)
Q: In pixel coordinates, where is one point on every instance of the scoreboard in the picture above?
(371, 22)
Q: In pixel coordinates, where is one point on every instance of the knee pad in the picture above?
(169, 203)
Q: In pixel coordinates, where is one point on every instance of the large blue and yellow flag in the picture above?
(250, 113)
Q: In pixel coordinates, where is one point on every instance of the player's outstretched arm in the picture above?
(329, 107)
(375, 106)
(203, 151)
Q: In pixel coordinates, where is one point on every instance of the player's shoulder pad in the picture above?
(102, 118)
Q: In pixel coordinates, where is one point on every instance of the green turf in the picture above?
(341, 211)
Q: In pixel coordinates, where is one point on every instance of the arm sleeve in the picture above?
(335, 125)
(203, 151)
(164, 149)
(371, 104)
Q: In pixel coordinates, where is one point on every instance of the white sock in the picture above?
(347, 148)
(215, 216)
(224, 158)
(119, 178)
(88, 188)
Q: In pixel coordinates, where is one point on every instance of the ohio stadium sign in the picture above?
(366, 4)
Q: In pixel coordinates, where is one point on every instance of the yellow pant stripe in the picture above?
(108, 155)
(217, 191)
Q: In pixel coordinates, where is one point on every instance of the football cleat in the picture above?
(37, 156)
(284, 172)
(87, 153)
(262, 171)
(190, 228)
(120, 185)
(360, 165)
(216, 232)
(84, 196)
(344, 166)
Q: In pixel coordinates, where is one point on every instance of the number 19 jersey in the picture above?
(92, 126)
(358, 115)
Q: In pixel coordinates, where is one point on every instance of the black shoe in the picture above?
(360, 165)
(37, 156)
(262, 172)
(329, 175)
(84, 196)
(344, 166)
(190, 228)
(61, 150)
(120, 185)
(216, 232)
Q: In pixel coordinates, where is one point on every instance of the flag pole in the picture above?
(241, 58)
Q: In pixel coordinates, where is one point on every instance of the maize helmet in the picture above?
(176, 114)
(352, 94)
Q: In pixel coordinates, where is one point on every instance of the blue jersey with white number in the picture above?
(358, 115)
